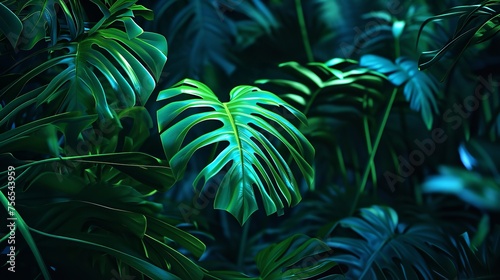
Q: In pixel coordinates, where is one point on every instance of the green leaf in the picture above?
(39, 19)
(420, 89)
(477, 23)
(297, 257)
(299, 252)
(199, 36)
(122, 252)
(384, 248)
(40, 136)
(142, 167)
(24, 229)
(10, 25)
(106, 66)
(250, 157)
(75, 208)
(328, 90)
(337, 97)
(471, 187)
(478, 262)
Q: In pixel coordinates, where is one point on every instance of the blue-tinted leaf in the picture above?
(420, 89)
(385, 247)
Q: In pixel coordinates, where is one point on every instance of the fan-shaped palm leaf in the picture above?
(420, 89)
(199, 35)
(388, 249)
(245, 127)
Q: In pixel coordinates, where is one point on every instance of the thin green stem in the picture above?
(81, 158)
(21, 225)
(375, 147)
(369, 142)
(243, 243)
(343, 169)
(303, 30)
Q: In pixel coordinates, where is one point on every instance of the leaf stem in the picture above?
(23, 228)
(372, 155)
(303, 30)
(243, 243)
(84, 159)
(368, 138)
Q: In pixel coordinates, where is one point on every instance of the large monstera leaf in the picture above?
(100, 70)
(251, 158)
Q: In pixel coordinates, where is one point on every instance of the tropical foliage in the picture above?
(249, 139)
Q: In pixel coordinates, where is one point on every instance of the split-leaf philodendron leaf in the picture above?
(251, 159)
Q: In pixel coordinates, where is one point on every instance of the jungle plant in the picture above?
(127, 165)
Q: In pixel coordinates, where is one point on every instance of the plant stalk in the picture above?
(243, 243)
(303, 30)
(372, 155)
(21, 225)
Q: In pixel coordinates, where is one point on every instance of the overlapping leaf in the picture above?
(340, 99)
(387, 248)
(331, 92)
(420, 89)
(85, 214)
(297, 257)
(107, 68)
(472, 187)
(198, 36)
(10, 25)
(477, 23)
(251, 158)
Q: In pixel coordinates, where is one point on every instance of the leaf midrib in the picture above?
(376, 253)
(236, 136)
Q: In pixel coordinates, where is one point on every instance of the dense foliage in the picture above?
(249, 139)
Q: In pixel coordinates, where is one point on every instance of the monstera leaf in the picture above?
(420, 89)
(388, 249)
(252, 159)
(101, 220)
(107, 68)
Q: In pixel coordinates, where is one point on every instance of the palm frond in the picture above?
(384, 248)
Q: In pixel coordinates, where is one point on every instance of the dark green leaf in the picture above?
(10, 25)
